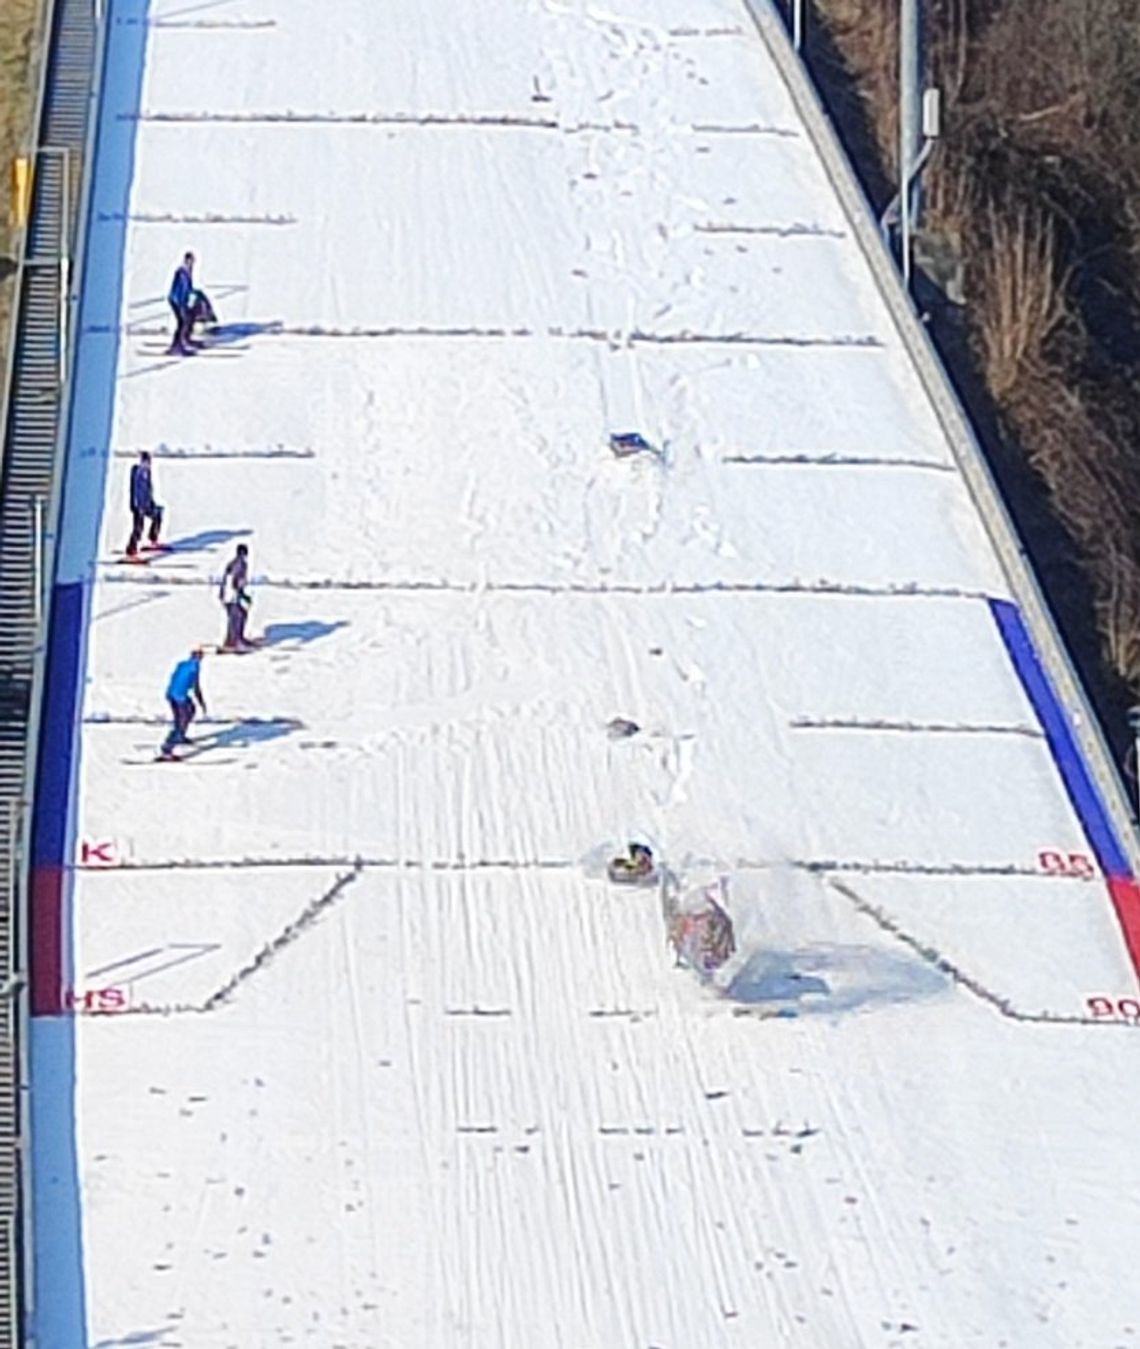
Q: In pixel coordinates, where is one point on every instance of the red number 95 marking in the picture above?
(1066, 863)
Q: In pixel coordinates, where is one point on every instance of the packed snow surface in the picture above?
(386, 1063)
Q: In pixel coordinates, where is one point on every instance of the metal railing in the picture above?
(39, 362)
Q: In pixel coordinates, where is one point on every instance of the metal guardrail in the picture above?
(952, 418)
(36, 386)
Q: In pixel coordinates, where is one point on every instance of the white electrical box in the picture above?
(932, 114)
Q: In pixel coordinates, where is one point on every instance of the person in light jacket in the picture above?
(235, 598)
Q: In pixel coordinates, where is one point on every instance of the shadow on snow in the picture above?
(308, 630)
(828, 979)
(206, 539)
(223, 334)
(242, 735)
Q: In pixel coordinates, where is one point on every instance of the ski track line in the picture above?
(837, 461)
(180, 453)
(477, 120)
(464, 866)
(201, 218)
(198, 25)
(107, 719)
(616, 339)
(289, 934)
(900, 590)
(793, 231)
(706, 32)
(916, 727)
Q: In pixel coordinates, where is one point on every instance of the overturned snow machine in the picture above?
(636, 867)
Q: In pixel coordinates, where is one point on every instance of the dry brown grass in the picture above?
(1094, 482)
(866, 33)
(1019, 276)
(19, 26)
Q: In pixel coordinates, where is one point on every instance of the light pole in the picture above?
(910, 123)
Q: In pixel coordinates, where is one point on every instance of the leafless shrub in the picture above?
(949, 196)
(1093, 481)
(1020, 300)
(866, 32)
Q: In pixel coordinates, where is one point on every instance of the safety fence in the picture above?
(34, 412)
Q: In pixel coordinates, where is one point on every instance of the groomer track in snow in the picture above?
(342, 1037)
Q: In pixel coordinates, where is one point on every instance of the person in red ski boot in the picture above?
(184, 688)
(235, 598)
(144, 508)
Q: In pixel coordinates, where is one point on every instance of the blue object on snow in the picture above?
(630, 442)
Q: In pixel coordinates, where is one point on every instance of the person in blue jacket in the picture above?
(181, 692)
(182, 299)
(143, 506)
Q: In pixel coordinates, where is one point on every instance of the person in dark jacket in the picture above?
(182, 298)
(234, 595)
(182, 690)
(143, 506)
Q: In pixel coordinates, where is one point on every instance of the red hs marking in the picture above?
(95, 1000)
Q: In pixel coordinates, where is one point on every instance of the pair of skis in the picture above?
(146, 554)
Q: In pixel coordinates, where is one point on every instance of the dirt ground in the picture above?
(19, 24)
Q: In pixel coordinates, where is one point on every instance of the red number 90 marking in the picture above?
(1120, 1009)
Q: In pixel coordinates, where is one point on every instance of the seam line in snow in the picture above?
(904, 590)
